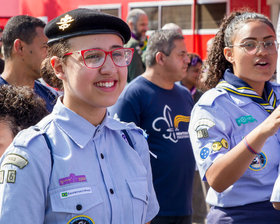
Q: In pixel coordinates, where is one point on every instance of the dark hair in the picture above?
(161, 41)
(58, 49)
(21, 27)
(20, 107)
(217, 63)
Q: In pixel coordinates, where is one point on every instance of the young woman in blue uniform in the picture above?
(234, 126)
(78, 165)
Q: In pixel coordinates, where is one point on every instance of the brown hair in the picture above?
(58, 49)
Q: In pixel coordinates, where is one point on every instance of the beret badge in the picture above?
(65, 22)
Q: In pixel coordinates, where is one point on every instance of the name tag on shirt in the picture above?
(75, 192)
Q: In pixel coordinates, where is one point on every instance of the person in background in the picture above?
(199, 207)
(25, 47)
(172, 26)
(20, 108)
(78, 165)
(209, 46)
(192, 83)
(204, 72)
(153, 102)
(234, 126)
(137, 21)
(191, 80)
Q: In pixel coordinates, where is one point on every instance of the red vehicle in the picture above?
(199, 19)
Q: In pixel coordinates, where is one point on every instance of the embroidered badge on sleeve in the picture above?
(16, 160)
(201, 127)
(11, 177)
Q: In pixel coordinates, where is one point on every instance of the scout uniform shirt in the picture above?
(219, 121)
(95, 176)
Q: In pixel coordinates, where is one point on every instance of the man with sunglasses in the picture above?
(191, 80)
(153, 102)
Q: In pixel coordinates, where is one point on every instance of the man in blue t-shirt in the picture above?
(153, 102)
(25, 47)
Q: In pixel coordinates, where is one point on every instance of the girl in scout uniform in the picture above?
(234, 126)
(78, 165)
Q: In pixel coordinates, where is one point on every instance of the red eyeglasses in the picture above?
(95, 58)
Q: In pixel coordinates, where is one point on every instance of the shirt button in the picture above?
(101, 155)
(111, 191)
(79, 207)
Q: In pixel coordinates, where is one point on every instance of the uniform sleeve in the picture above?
(209, 130)
(142, 148)
(24, 181)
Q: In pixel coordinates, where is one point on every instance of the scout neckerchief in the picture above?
(233, 84)
(142, 44)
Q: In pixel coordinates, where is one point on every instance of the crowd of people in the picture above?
(101, 124)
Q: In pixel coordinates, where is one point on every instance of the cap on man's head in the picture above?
(81, 21)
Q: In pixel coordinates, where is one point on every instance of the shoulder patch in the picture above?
(24, 137)
(16, 160)
(209, 97)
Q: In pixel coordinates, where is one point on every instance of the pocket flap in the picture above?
(139, 188)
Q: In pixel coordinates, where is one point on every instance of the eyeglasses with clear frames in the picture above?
(95, 58)
(252, 46)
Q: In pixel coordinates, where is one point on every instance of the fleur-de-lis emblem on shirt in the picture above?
(65, 22)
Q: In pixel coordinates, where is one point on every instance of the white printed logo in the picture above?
(173, 132)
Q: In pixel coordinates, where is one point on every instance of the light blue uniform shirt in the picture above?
(96, 176)
(219, 121)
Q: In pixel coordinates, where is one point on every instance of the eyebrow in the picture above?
(112, 47)
(254, 38)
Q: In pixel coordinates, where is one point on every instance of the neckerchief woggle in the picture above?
(235, 85)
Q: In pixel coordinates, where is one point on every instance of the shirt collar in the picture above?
(78, 128)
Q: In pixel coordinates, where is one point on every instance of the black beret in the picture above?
(81, 21)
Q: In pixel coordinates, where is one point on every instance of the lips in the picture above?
(261, 62)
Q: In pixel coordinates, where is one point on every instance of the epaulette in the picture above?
(24, 137)
(209, 97)
(133, 127)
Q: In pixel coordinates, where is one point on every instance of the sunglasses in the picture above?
(194, 61)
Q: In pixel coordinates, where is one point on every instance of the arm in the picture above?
(275, 196)
(24, 198)
(227, 169)
(276, 205)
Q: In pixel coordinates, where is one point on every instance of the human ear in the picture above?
(160, 58)
(228, 54)
(18, 46)
(57, 65)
